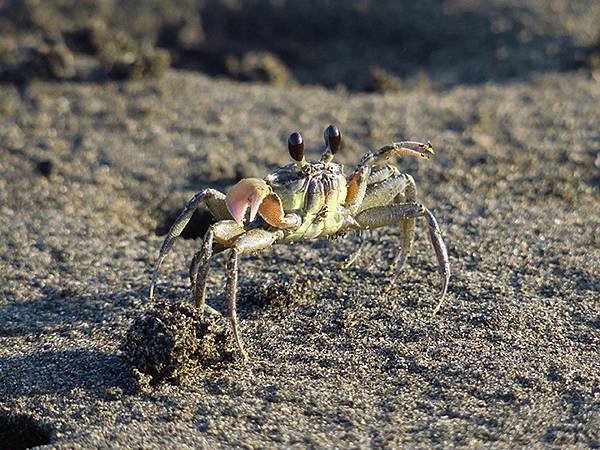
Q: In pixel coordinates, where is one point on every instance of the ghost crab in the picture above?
(306, 200)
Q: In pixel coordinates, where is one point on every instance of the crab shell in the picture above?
(314, 193)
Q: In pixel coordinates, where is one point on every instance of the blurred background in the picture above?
(358, 45)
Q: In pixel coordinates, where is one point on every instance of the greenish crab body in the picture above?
(316, 193)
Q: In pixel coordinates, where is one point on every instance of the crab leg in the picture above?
(396, 213)
(224, 232)
(361, 245)
(407, 226)
(213, 200)
(404, 148)
(383, 192)
(250, 242)
(383, 173)
(389, 186)
(361, 177)
(398, 188)
(199, 270)
(357, 188)
(435, 235)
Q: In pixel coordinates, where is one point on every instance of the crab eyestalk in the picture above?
(333, 142)
(296, 148)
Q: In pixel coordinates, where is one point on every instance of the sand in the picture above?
(93, 172)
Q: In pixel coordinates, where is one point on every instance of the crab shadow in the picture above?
(60, 310)
(59, 372)
(55, 316)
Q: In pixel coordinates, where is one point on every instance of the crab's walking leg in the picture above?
(250, 242)
(365, 174)
(381, 187)
(364, 169)
(382, 173)
(407, 226)
(399, 188)
(361, 245)
(393, 214)
(224, 232)
(384, 192)
(363, 180)
(435, 235)
(404, 148)
(214, 201)
(396, 188)
(200, 263)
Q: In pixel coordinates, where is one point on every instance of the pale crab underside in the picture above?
(306, 200)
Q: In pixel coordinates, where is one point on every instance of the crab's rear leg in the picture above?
(250, 242)
(213, 200)
(384, 186)
(392, 214)
(407, 226)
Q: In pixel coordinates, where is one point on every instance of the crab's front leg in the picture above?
(250, 242)
(403, 148)
(219, 237)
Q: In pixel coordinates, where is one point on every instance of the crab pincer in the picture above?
(247, 194)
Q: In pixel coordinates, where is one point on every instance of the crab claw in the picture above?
(247, 193)
(414, 149)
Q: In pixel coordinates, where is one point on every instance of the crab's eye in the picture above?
(333, 138)
(296, 146)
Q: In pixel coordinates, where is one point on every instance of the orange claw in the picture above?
(249, 192)
(272, 211)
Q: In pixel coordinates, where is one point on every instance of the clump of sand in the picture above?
(173, 340)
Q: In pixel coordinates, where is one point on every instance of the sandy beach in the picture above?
(94, 170)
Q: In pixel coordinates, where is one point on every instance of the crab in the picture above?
(307, 200)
